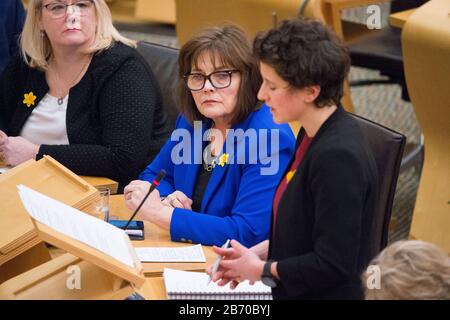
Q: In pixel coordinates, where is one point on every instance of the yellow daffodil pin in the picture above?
(29, 99)
(289, 176)
(223, 159)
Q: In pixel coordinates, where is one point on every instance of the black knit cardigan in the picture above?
(115, 118)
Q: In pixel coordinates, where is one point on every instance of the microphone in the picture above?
(155, 183)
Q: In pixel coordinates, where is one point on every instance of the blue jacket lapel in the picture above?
(215, 180)
(219, 172)
(193, 169)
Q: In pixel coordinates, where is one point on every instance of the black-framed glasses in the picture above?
(218, 79)
(59, 9)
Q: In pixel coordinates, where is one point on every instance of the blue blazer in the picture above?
(237, 203)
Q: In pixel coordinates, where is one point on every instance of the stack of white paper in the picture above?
(171, 254)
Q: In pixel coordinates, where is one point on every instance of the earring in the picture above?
(42, 33)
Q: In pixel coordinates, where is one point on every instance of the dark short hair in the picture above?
(232, 46)
(305, 52)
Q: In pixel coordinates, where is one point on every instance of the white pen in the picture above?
(217, 262)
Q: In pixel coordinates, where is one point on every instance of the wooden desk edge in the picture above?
(398, 19)
(153, 289)
(102, 182)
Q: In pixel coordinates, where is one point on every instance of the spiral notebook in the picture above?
(186, 285)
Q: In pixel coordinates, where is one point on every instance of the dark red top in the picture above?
(299, 154)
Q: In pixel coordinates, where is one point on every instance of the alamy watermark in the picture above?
(249, 146)
(373, 280)
(73, 281)
(374, 19)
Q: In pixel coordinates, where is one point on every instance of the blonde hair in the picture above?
(36, 48)
(411, 270)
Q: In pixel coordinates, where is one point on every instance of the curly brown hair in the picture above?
(305, 52)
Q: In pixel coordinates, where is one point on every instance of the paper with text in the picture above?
(171, 254)
(78, 225)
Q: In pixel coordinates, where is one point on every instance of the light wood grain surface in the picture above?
(157, 237)
(399, 19)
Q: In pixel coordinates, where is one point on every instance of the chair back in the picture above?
(164, 63)
(387, 147)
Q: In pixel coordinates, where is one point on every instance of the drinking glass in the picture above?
(101, 205)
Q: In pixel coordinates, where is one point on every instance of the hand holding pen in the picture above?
(215, 266)
(238, 263)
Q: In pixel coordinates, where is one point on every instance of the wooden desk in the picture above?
(398, 19)
(153, 289)
(157, 237)
(156, 10)
(347, 31)
(98, 182)
(94, 181)
(333, 9)
(426, 51)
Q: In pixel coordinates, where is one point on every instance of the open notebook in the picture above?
(182, 285)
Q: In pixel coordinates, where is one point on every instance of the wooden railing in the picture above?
(139, 11)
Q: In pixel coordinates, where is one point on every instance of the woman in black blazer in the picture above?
(323, 207)
(81, 93)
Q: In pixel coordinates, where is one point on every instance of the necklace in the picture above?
(209, 160)
(58, 80)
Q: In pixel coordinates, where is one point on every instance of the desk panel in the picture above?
(398, 19)
(157, 237)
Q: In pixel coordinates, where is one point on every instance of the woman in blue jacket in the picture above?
(226, 155)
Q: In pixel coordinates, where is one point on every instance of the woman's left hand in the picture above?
(178, 199)
(246, 266)
(15, 150)
(135, 193)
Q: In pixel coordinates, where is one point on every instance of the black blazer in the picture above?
(321, 234)
(115, 119)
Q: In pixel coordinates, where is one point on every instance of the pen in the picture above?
(217, 262)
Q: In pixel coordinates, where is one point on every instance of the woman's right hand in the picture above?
(230, 254)
(178, 199)
(260, 249)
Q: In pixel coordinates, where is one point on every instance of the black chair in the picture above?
(387, 148)
(164, 63)
(382, 51)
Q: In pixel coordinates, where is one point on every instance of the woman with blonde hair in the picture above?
(81, 93)
(409, 270)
